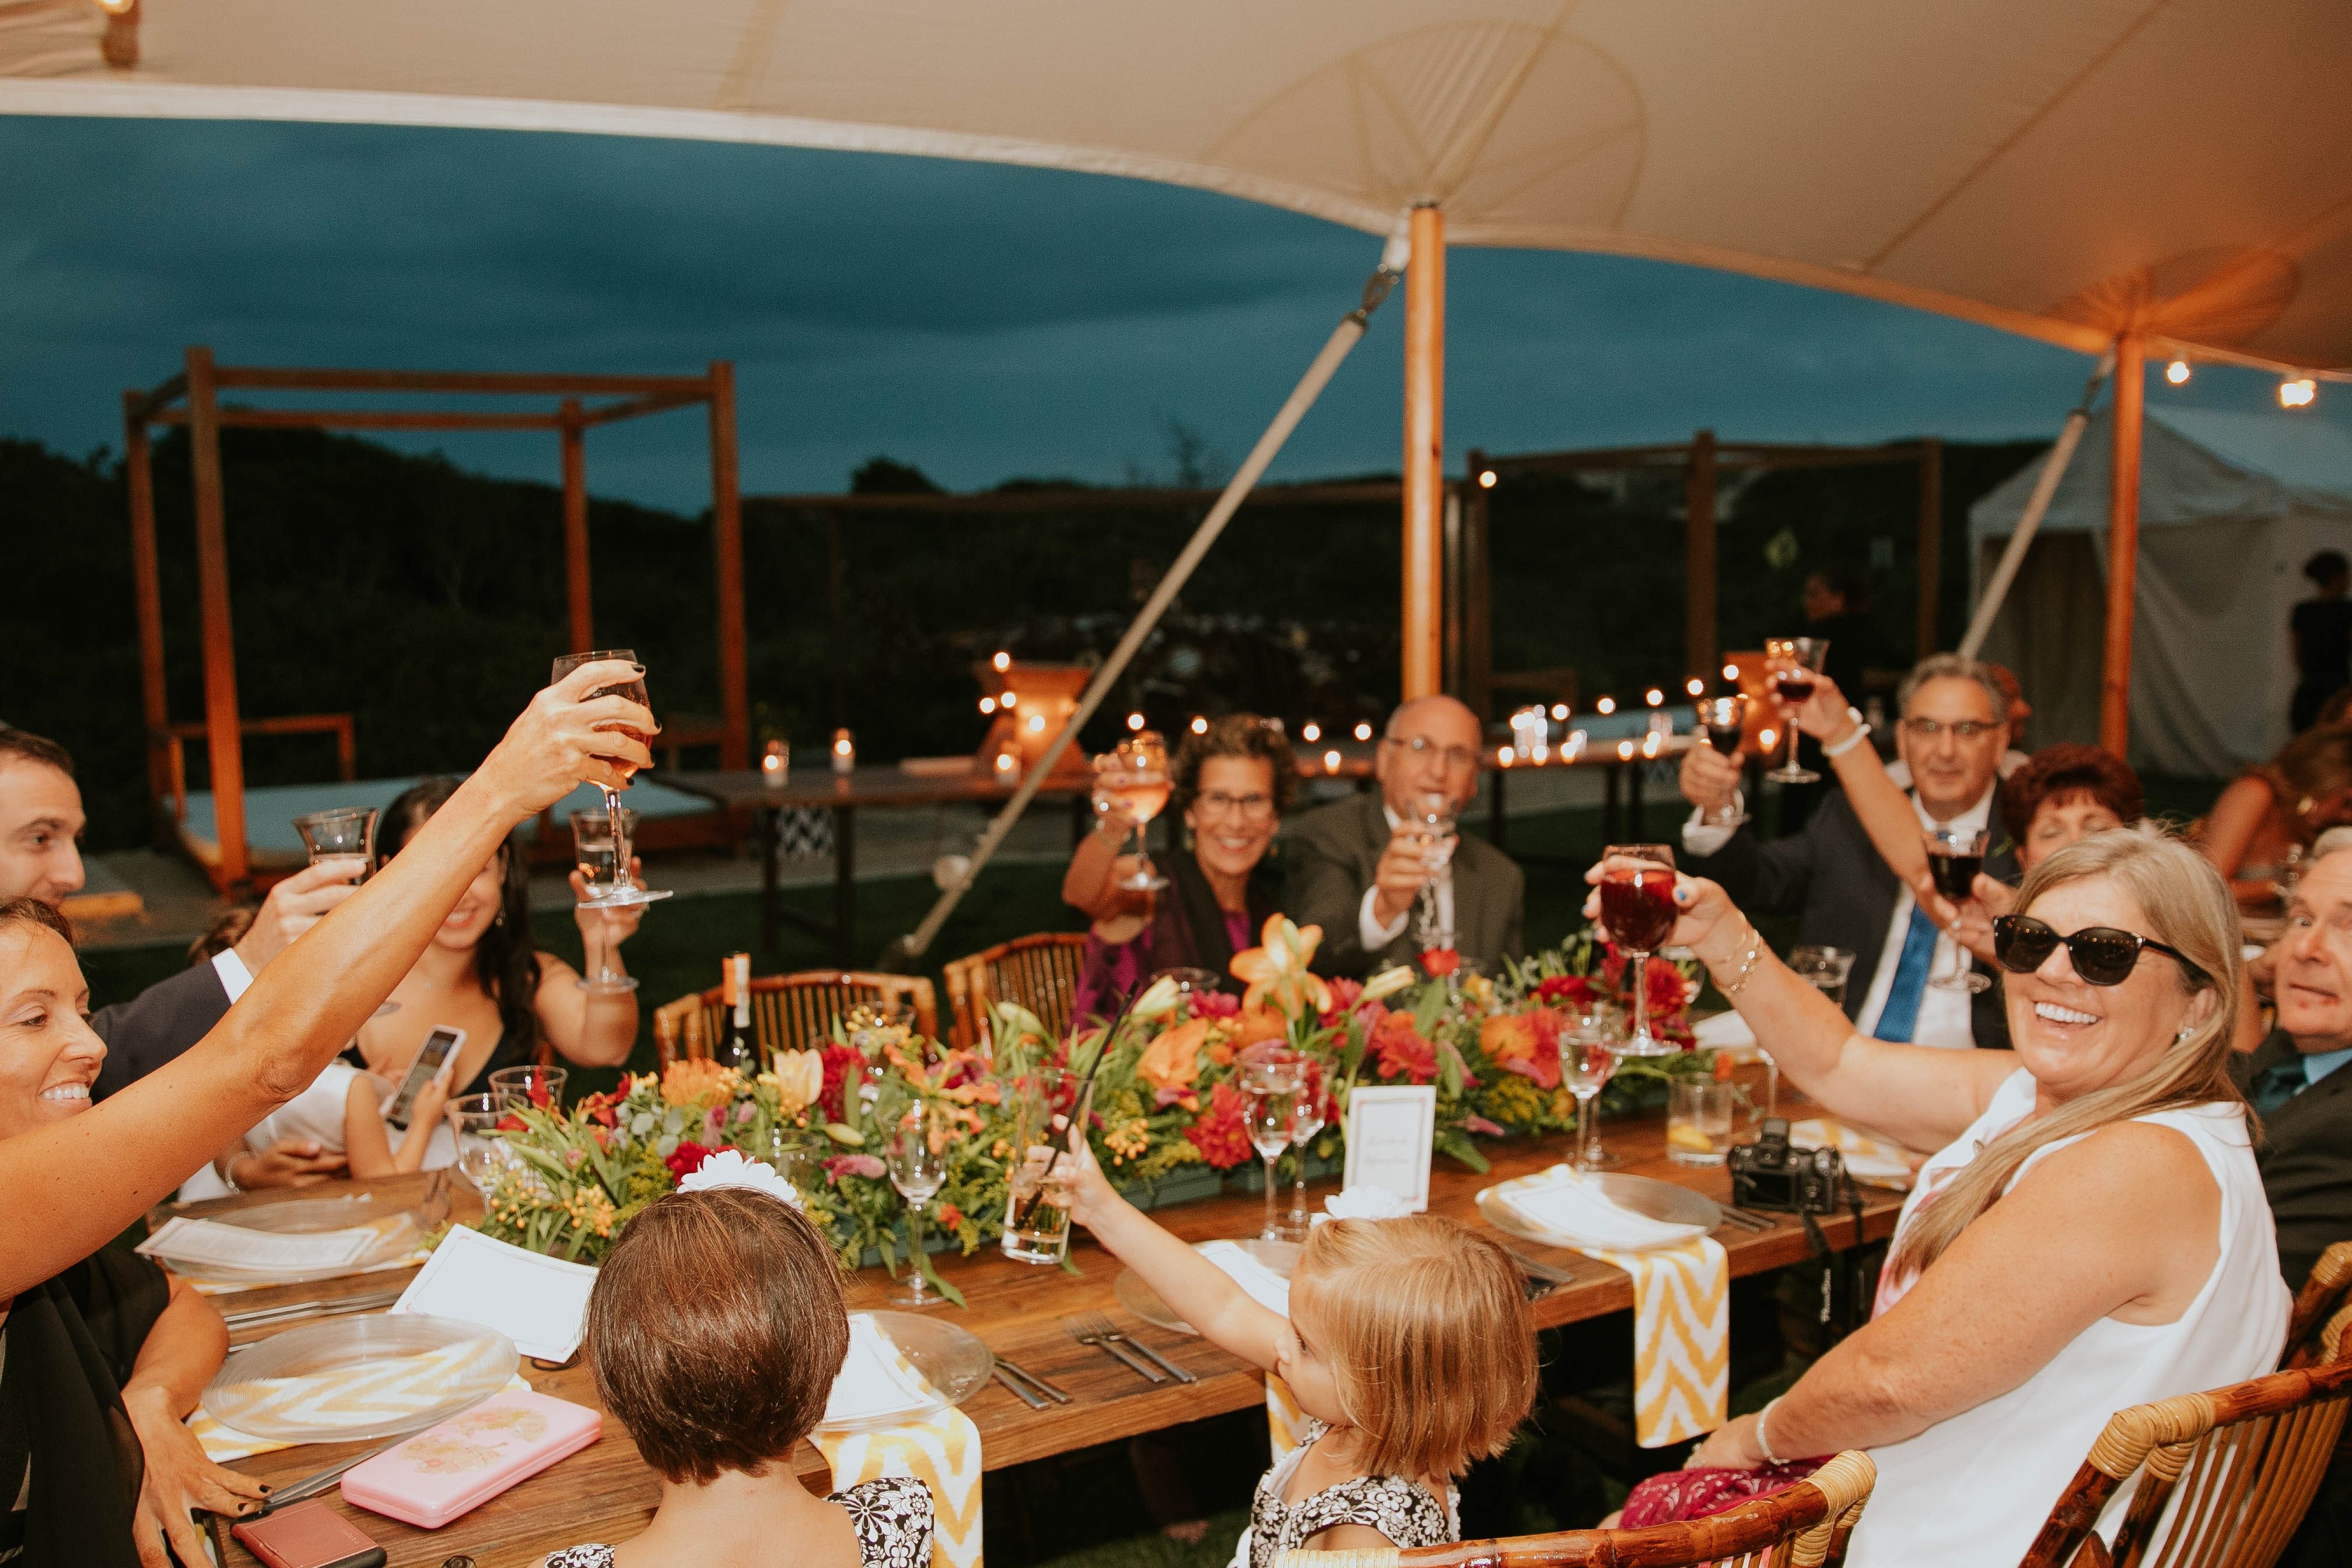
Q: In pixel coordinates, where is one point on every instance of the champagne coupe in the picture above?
(1273, 1090)
(1723, 725)
(595, 850)
(1826, 969)
(1587, 1064)
(1637, 907)
(1306, 1120)
(623, 890)
(1955, 856)
(1439, 833)
(1140, 778)
(919, 1171)
(1801, 660)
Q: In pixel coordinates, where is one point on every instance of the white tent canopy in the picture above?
(2230, 507)
(2067, 169)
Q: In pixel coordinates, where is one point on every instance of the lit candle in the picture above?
(1504, 755)
(1765, 739)
(1311, 734)
(988, 704)
(1363, 732)
(1331, 761)
(776, 763)
(1695, 685)
(1135, 721)
(1624, 751)
(844, 752)
(1199, 725)
(1607, 705)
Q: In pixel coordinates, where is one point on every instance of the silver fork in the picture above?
(1084, 1334)
(1096, 1323)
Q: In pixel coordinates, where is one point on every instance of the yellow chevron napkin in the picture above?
(222, 1444)
(941, 1450)
(1283, 1416)
(1682, 1338)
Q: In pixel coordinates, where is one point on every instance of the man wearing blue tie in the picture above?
(1953, 727)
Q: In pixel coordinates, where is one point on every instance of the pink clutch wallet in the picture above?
(467, 1460)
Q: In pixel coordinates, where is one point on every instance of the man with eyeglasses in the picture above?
(1359, 866)
(1951, 735)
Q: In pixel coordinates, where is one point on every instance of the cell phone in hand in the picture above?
(440, 1046)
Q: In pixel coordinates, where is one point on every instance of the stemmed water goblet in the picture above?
(1637, 907)
(1439, 832)
(622, 889)
(1723, 723)
(596, 848)
(919, 1171)
(1955, 856)
(1587, 1062)
(1826, 970)
(1272, 1087)
(1306, 1117)
(1797, 670)
(1136, 771)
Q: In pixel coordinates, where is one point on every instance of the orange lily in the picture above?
(1173, 1061)
(1278, 970)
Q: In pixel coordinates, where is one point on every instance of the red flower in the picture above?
(1218, 1134)
(950, 1215)
(1344, 993)
(838, 1060)
(688, 1159)
(842, 1165)
(1403, 1050)
(510, 1122)
(1573, 988)
(1666, 990)
(599, 1106)
(1440, 961)
(1215, 1004)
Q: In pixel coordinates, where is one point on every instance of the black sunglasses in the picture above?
(2100, 954)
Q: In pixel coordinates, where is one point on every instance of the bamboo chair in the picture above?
(2243, 1461)
(2316, 1303)
(1803, 1527)
(791, 1012)
(1040, 973)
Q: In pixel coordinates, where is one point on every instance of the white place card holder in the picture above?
(1391, 1131)
(538, 1302)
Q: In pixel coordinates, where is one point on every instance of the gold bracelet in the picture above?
(1746, 965)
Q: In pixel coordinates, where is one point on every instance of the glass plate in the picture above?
(281, 1388)
(404, 1229)
(952, 1360)
(1279, 1257)
(1643, 1196)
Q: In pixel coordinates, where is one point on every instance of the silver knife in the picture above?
(1009, 1381)
(311, 1486)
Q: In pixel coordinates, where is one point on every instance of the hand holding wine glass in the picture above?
(1794, 665)
(1638, 909)
(569, 735)
(632, 690)
(1954, 860)
(1723, 725)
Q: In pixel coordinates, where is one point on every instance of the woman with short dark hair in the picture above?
(714, 1333)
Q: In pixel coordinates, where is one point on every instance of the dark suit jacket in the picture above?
(1332, 851)
(1845, 890)
(2306, 1158)
(157, 1025)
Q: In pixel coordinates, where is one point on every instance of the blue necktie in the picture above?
(2278, 1083)
(1901, 1013)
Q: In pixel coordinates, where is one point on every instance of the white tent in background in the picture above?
(2230, 506)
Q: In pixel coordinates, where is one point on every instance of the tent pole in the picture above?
(1344, 337)
(1422, 651)
(575, 525)
(2123, 543)
(1477, 599)
(727, 529)
(139, 477)
(1931, 541)
(222, 732)
(2053, 468)
(1698, 558)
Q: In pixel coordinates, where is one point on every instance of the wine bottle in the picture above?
(737, 1047)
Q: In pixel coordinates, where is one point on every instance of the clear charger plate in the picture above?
(304, 1385)
(954, 1360)
(404, 1229)
(1279, 1257)
(1644, 1196)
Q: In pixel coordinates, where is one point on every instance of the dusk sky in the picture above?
(978, 322)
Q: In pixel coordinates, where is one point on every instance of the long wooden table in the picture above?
(606, 1494)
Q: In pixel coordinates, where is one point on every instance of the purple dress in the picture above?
(1188, 931)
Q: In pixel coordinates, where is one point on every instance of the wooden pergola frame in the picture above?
(1701, 458)
(193, 398)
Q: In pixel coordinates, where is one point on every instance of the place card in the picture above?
(197, 1243)
(538, 1302)
(1391, 1131)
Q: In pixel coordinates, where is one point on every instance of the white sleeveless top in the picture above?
(1972, 1491)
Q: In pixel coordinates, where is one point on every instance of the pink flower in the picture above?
(842, 1165)
(744, 1112)
(1215, 1004)
(1344, 995)
(1481, 1125)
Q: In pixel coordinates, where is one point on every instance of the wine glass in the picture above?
(1307, 1119)
(1439, 832)
(1801, 665)
(624, 889)
(1722, 724)
(1587, 1063)
(1955, 856)
(918, 1171)
(343, 832)
(530, 1088)
(596, 850)
(1272, 1087)
(481, 1154)
(1826, 969)
(1139, 777)
(1637, 906)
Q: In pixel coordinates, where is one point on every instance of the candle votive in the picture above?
(844, 752)
(776, 764)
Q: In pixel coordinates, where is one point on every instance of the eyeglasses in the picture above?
(1253, 807)
(1454, 757)
(2100, 954)
(1966, 728)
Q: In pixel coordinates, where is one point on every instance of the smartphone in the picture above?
(440, 1046)
(308, 1535)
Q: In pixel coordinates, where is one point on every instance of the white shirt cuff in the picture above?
(1376, 936)
(234, 976)
(1703, 837)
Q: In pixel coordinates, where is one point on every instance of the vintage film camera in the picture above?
(1770, 1174)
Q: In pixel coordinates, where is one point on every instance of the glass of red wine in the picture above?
(1955, 856)
(1723, 725)
(624, 891)
(1800, 662)
(1637, 907)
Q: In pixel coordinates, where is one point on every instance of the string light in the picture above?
(2298, 393)
(1730, 672)
(1311, 734)
(1656, 696)
(988, 704)
(1503, 756)
(1009, 701)
(2177, 372)
(1199, 725)
(1766, 739)
(1624, 751)
(1606, 705)
(1135, 721)
(1331, 761)
(1363, 732)
(1004, 661)
(1036, 721)
(1487, 479)
(1560, 710)
(1695, 685)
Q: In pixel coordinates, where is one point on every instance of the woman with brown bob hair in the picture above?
(714, 1333)
(1232, 783)
(2269, 812)
(2091, 1235)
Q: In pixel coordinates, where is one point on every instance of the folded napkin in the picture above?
(222, 1444)
(876, 1381)
(1868, 1157)
(1283, 1418)
(1726, 1032)
(198, 1243)
(1264, 1285)
(939, 1448)
(1573, 1212)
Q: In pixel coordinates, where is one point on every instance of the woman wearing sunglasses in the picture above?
(2091, 1235)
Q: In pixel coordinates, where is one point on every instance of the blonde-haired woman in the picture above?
(2092, 1233)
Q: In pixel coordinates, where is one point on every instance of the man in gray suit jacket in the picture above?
(1358, 865)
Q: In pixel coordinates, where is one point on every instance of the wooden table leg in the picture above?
(845, 885)
(771, 829)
